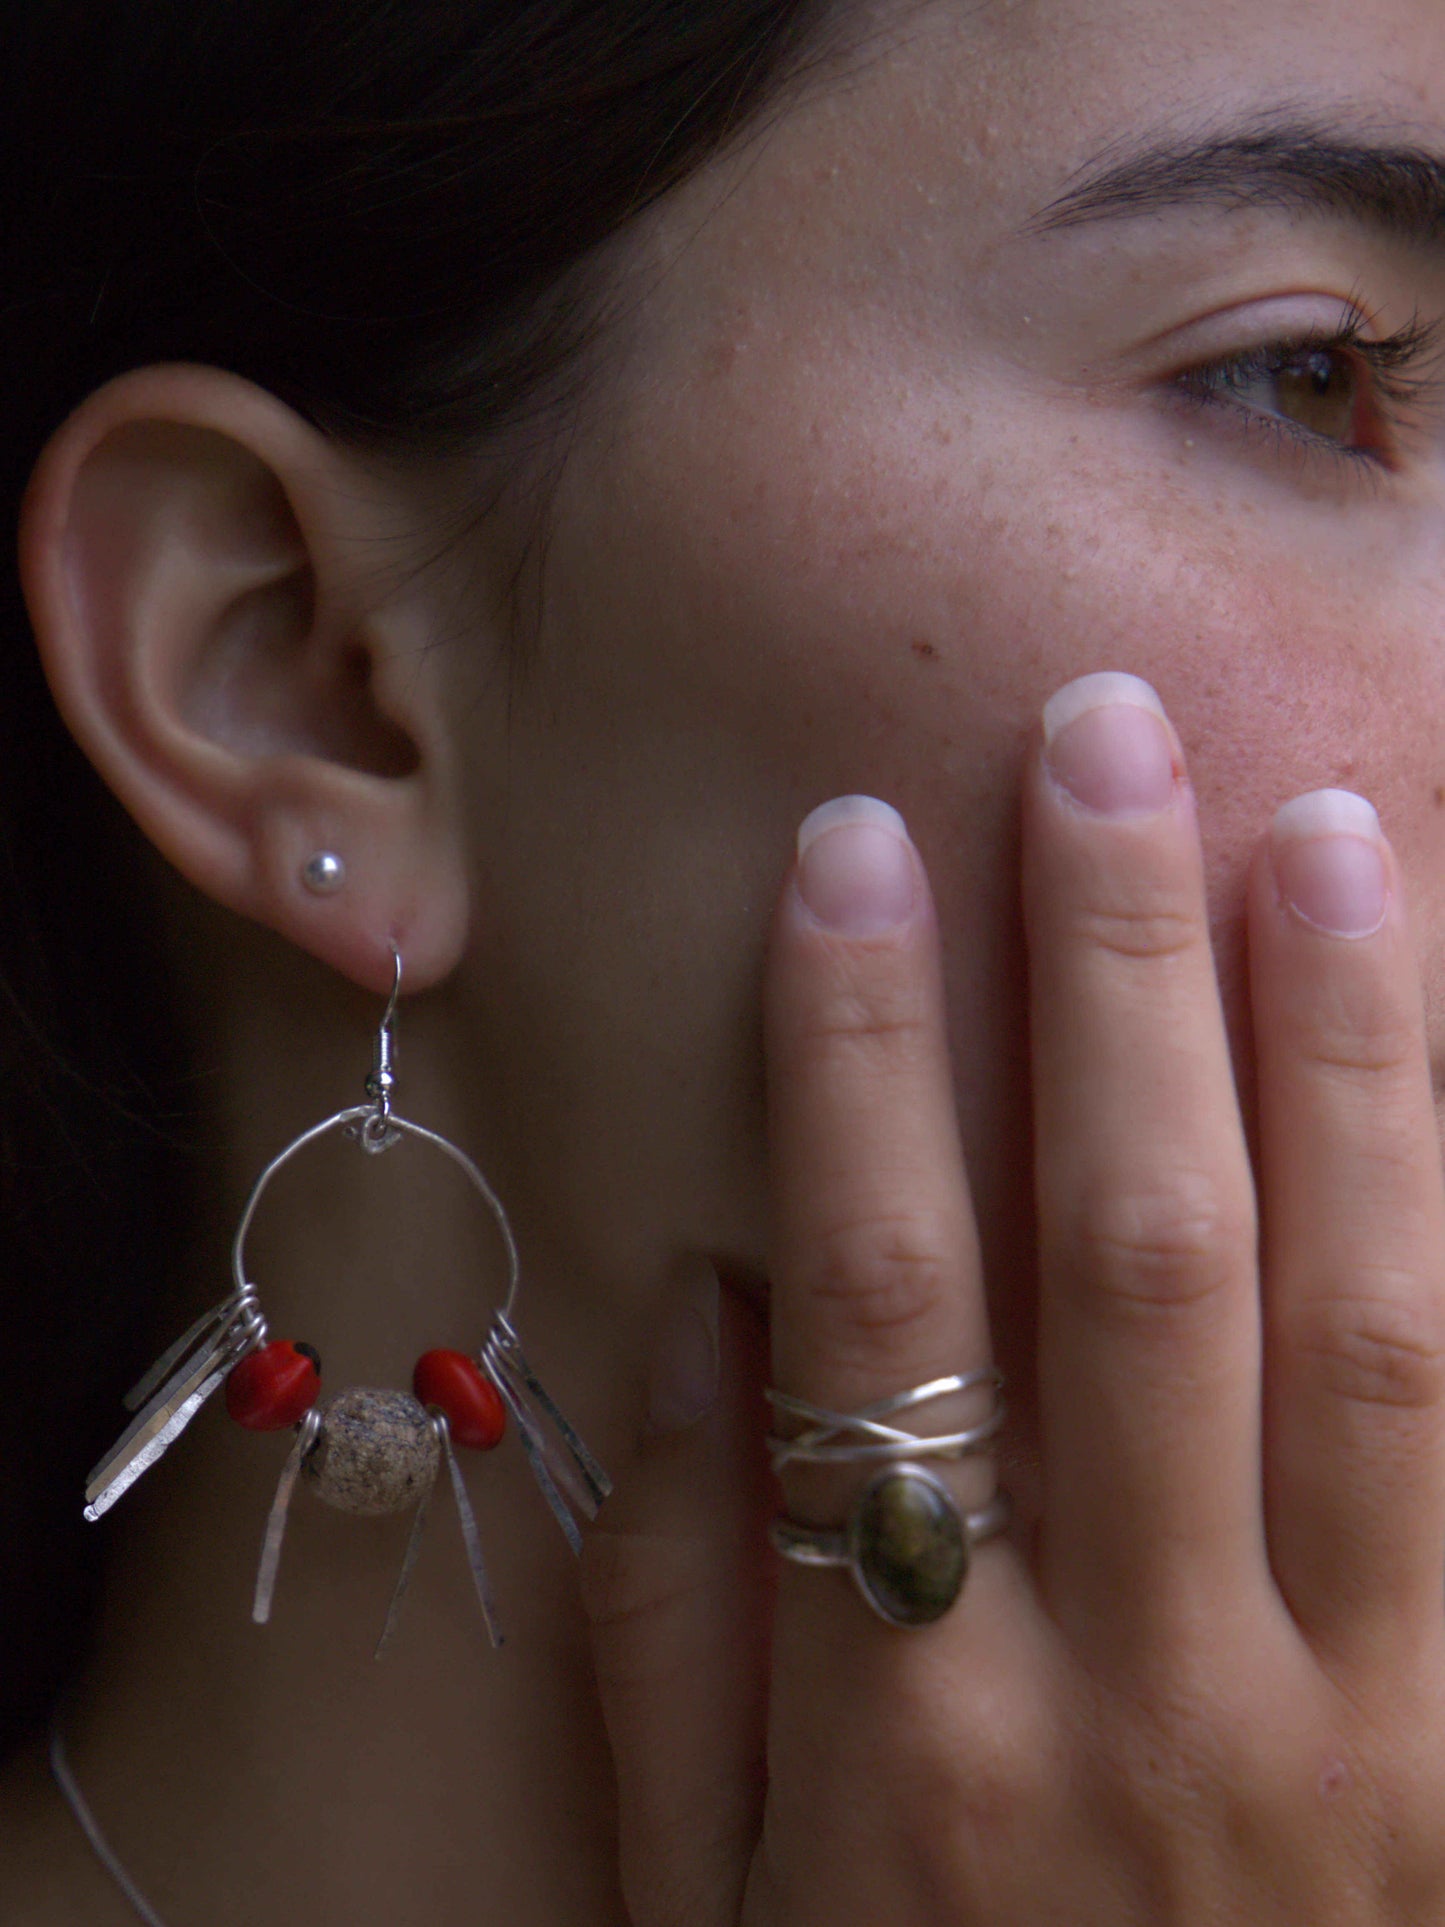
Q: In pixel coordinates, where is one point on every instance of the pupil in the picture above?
(1320, 391)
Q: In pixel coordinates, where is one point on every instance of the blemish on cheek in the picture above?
(1334, 1780)
(926, 652)
(1440, 796)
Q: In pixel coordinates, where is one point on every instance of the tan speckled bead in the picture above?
(377, 1452)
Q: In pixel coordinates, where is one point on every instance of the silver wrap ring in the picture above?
(905, 1540)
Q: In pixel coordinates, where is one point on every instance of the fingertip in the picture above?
(841, 811)
(858, 874)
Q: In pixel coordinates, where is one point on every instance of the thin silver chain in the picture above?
(90, 1827)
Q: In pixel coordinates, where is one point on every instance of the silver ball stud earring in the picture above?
(324, 873)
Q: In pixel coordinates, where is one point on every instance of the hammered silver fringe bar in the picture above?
(413, 1546)
(207, 1350)
(471, 1538)
(568, 1476)
(307, 1434)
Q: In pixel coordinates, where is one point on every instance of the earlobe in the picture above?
(200, 568)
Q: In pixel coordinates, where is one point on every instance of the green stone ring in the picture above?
(905, 1543)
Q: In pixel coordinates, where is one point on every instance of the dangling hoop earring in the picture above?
(362, 1450)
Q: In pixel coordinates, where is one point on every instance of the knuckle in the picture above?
(634, 1588)
(1200, 1761)
(1154, 929)
(870, 1005)
(1384, 1346)
(998, 1792)
(865, 1043)
(1006, 1776)
(1173, 1714)
(1013, 1770)
(1336, 1034)
(885, 1274)
(1172, 1245)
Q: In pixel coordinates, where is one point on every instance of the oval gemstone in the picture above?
(909, 1548)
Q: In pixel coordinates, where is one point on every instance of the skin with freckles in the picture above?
(875, 457)
(881, 468)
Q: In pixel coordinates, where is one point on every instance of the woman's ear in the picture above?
(225, 615)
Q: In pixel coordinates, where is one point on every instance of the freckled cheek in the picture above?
(1286, 660)
(1285, 674)
(1300, 691)
(915, 597)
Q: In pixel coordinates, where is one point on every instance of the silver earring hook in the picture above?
(382, 1080)
(390, 1011)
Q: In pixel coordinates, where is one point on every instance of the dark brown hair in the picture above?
(387, 212)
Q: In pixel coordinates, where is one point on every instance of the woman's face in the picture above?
(1039, 339)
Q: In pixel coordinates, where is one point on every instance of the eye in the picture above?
(1318, 388)
(1321, 389)
(1349, 393)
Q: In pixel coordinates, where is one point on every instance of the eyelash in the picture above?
(1402, 380)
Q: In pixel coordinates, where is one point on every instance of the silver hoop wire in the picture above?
(376, 1128)
(355, 1119)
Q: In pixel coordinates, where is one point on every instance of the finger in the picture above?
(876, 1288)
(1354, 1230)
(874, 1253)
(676, 1582)
(1149, 1339)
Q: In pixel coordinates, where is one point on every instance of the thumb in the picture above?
(677, 1584)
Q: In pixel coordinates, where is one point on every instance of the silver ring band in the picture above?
(864, 1438)
(905, 1543)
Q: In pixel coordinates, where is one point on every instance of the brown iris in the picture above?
(1319, 388)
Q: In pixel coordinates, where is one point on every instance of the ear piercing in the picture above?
(324, 873)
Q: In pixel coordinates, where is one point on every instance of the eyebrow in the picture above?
(1397, 190)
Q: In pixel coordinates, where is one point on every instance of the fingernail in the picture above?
(1108, 743)
(1329, 862)
(856, 869)
(682, 1383)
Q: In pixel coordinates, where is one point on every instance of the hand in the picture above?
(1213, 1688)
